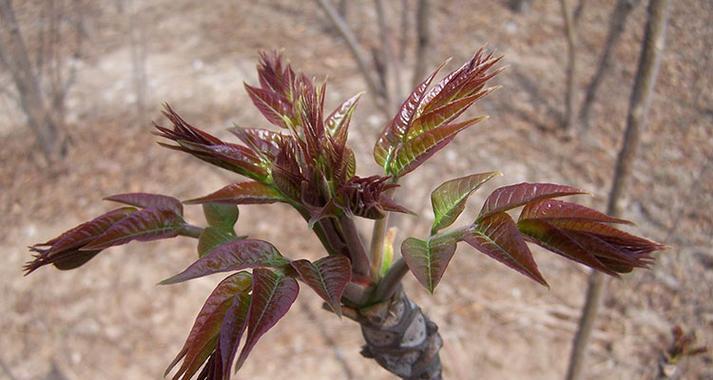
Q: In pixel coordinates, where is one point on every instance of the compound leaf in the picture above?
(143, 225)
(327, 276)
(272, 295)
(497, 236)
(232, 256)
(509, 197)
(428, 259)
(448, 199)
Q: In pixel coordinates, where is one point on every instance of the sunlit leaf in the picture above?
(204, 333)
(550, 237)
(143, 225)
(272, 295)
(428, 259)
(232, 256)
(241, 193)
(328, 277)
(497, 236)
(509, 197)
(445, 114)
(448, 199)
(146, 200)
(340, 117)
(416, 151)
(264, 142)
(552, 209)
(395, 132)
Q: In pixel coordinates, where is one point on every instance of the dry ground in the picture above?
(109, 320)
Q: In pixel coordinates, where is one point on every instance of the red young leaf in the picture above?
(395, 132)
(273, 294)
(328, 277)
(232, 256)
(448, 199)
(143, 225)
(467, 80)
(338, 121)
(146, 200)
(509, 197)
(416, 151)
(202, 338)
(264, 142)
(551, 209)
(270, 104)
(445, 114)
(234, 325)
(550, 237)
(63, 251)
(241, 193)
(497, 236)
(428, 260)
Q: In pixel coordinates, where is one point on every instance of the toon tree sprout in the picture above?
(305, 162)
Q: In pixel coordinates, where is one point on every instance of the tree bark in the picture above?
(617, 23)
(649, 62)
(15, 56)
(401, 338)
(569, 118)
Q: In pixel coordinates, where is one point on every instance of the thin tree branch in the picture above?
(617, 23)
(569, 115)
(356, 49)
(649, 62)
(424, 40)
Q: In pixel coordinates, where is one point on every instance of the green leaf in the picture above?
(202, 339)
(327, 276)
(212, 237)
(509, 197)
(232, 256)
(412, 153)
(428, 259)
(448, 200)
(222, 216)
(241, 193)
(273, 294)
(143, 225)
(497, 236)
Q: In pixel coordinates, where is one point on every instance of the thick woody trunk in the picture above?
(401, 338)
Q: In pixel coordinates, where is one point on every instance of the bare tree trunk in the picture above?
(649, 62)
(423, 32)
(569, 115)
(14, 54)
(401, 338)
(617, 23)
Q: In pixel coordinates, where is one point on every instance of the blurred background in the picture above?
(81, 81)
